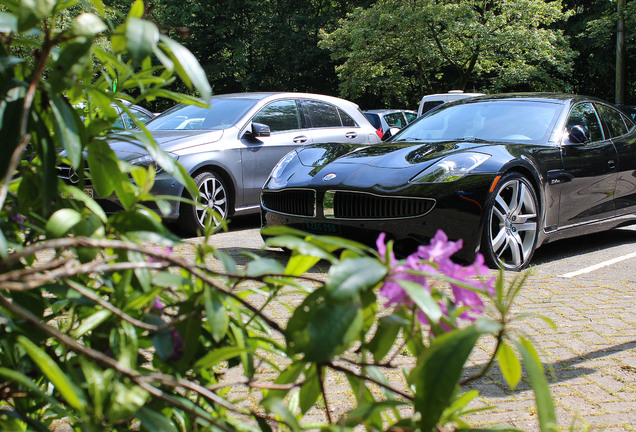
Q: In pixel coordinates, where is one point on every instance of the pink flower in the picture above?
(432, 259)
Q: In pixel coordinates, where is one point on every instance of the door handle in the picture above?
(300, 139)
(351, 135)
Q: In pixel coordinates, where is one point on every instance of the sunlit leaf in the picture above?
(351, 277)
(509, 364)
(71, 393)
(62, 221)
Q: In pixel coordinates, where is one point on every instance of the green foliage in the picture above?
(104, 328)
(403, 50)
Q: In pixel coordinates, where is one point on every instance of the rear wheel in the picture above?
(213, 205)
(510, 232)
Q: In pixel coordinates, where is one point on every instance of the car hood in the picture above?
(385, 155)
(127, 147)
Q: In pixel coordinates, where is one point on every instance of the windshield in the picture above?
(223, 114)
(492, 120)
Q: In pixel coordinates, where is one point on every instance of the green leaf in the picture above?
(91, 322)
(67, 127)
(422, 299)
(278, 407)
(299, 264)
(539, 384)
(8, 23)
(32, 12)
(141, 38)
(307, 333)
(438, 371)
(386, 335)
(351, 277)
(310, 390)
(509, 364)
(25, 381)
(152, 420)
(216, 356)
(217, 319)
(126, 400)
(73, 395)
(188, 68)
(262, 266)
(62, 221)
(137, 9)
(301, 246)
(87, 24)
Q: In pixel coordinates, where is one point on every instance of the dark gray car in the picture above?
(230, 148)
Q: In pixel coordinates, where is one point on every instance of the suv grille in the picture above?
(297, 202)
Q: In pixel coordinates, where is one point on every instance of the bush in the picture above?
(104, 328)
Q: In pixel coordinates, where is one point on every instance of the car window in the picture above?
(427, 106)
(526, 121)
(224, 113)
(584, 115)
(140, 115)
(322, 114)
(374, 119)
(410, 116)
(395, 120)
(346, 119)
(613, 119)
(279, 116)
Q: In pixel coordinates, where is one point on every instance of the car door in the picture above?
(260, 154)
(591, 170)
(622, 132)
(329, 123)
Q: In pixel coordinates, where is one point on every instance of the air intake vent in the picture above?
(296, 202)
(361, 205)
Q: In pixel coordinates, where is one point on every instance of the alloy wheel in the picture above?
(512, 230)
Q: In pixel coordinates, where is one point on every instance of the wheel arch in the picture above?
(225, 177)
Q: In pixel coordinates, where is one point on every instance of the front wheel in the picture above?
(212, 208)
(510, 232)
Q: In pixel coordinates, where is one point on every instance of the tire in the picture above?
(213, 195)
(510, 231)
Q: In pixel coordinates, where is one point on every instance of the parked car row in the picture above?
(505, 173)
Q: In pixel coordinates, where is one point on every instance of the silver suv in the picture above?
(230, 148)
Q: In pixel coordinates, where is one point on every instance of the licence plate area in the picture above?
(89, 192)
(321, 228)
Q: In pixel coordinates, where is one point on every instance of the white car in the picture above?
(429, 102)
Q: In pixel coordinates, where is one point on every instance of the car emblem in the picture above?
(73, 177)
(329, 176)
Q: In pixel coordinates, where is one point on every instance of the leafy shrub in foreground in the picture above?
(104, 327)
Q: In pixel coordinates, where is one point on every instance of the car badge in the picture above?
(329, 176)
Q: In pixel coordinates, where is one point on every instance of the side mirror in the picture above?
(579, 135)
(258, 130)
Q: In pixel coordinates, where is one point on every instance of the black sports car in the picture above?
(505, 173)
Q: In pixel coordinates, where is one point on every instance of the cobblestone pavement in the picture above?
(591, 355)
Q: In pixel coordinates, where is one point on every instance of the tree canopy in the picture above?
(395, 49)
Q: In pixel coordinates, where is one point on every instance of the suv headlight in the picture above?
(451, 168)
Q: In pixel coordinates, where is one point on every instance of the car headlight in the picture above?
(451, 168)
(147, 161)
(282, 164)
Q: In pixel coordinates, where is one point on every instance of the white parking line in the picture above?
(598, 266)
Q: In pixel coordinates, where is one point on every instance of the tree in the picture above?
(398, 51)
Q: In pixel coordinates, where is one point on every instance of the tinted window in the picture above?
(346, 119)
(395, 120)
(430, 105)
(279, 116)
(613, 120)
(322, 114)
(530, 122)
(374, 119)
(410, 116)
(585, 115)
(140, 115)
(222, 114)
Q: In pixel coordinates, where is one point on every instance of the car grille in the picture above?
(345, 204)
(362, 205)
(297, 202)
(68, 174)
